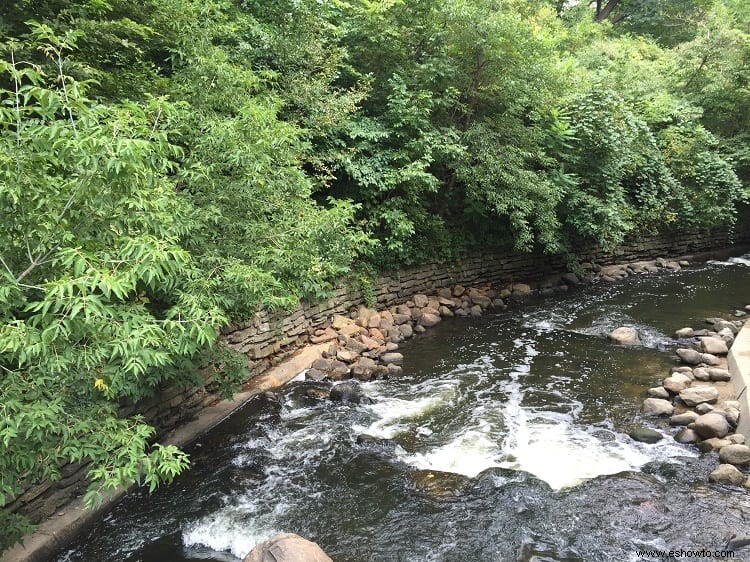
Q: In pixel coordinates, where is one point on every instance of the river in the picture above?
(506, 439)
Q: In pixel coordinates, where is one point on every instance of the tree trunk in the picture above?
(603, 13)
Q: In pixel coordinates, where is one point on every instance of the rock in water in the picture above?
(645, 435)
(735, 454)
(657, 407)
(625, 335)
(714, 346)
(727, 474)
(287, 547)
(346, 392)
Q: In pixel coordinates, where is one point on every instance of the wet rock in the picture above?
(287, 547)
(437, 484)
(371, 440)
(701, 374)
(695, 395)
(475, 310)
(314, 375)
(658, 392)
(481, 300)
(317, 393)
(419, 329)
(657, 407)
(322, 365)
(685, 418)
(686, 436)
(346, 392)
(714, 346)
(712, 424)
(390, 346)
(676, 383)
(727, 474)
(645, 435)
(625, 335)
(570, 278)
(406, 331)
(684, 333)
(719, 374)
(395, 358)
(689, 356)
(735, 454)
(394, 370)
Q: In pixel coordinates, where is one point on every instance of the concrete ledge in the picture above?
(57, 532)
(739, 366)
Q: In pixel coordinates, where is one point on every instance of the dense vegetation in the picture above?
(167, 165)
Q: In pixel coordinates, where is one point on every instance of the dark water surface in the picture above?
(525, 415)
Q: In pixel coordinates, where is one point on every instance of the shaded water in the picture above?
(525, 414)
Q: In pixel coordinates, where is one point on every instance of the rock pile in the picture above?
(364, 345)
(696, 399)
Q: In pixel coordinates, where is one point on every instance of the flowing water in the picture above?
(506, 439)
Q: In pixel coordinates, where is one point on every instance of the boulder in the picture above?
(701, 374)
(737, 438)
(684, 333)
(625, 335)
(735, 454)
(395, 358)
(420, 301)
(340, 322)
(704, 408)
(399, 318)
(429, 319)
(716, 374)
(686, 435)
(570, 278)
(713, 444)
(324, 336)
(445, 292)
(458, 290)
(685, 418)
(727, 474)
(689, 356)
(476, 310)
(676, 382)
(394, 370)
(712, 424)
(732, 415)
(695, 395)
(347, 355)
(657, 407)
(710, 359)
(645, 435)
(714, 346)
(346, 392)
(287, 547)
(314, 375)
(521, 289)
(658, 392)
(406, 331)
(481, 300)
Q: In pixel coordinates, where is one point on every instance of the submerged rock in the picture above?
(686, 435)
(287, 547)
(347, 392)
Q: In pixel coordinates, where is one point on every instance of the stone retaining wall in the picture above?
(269, 338)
